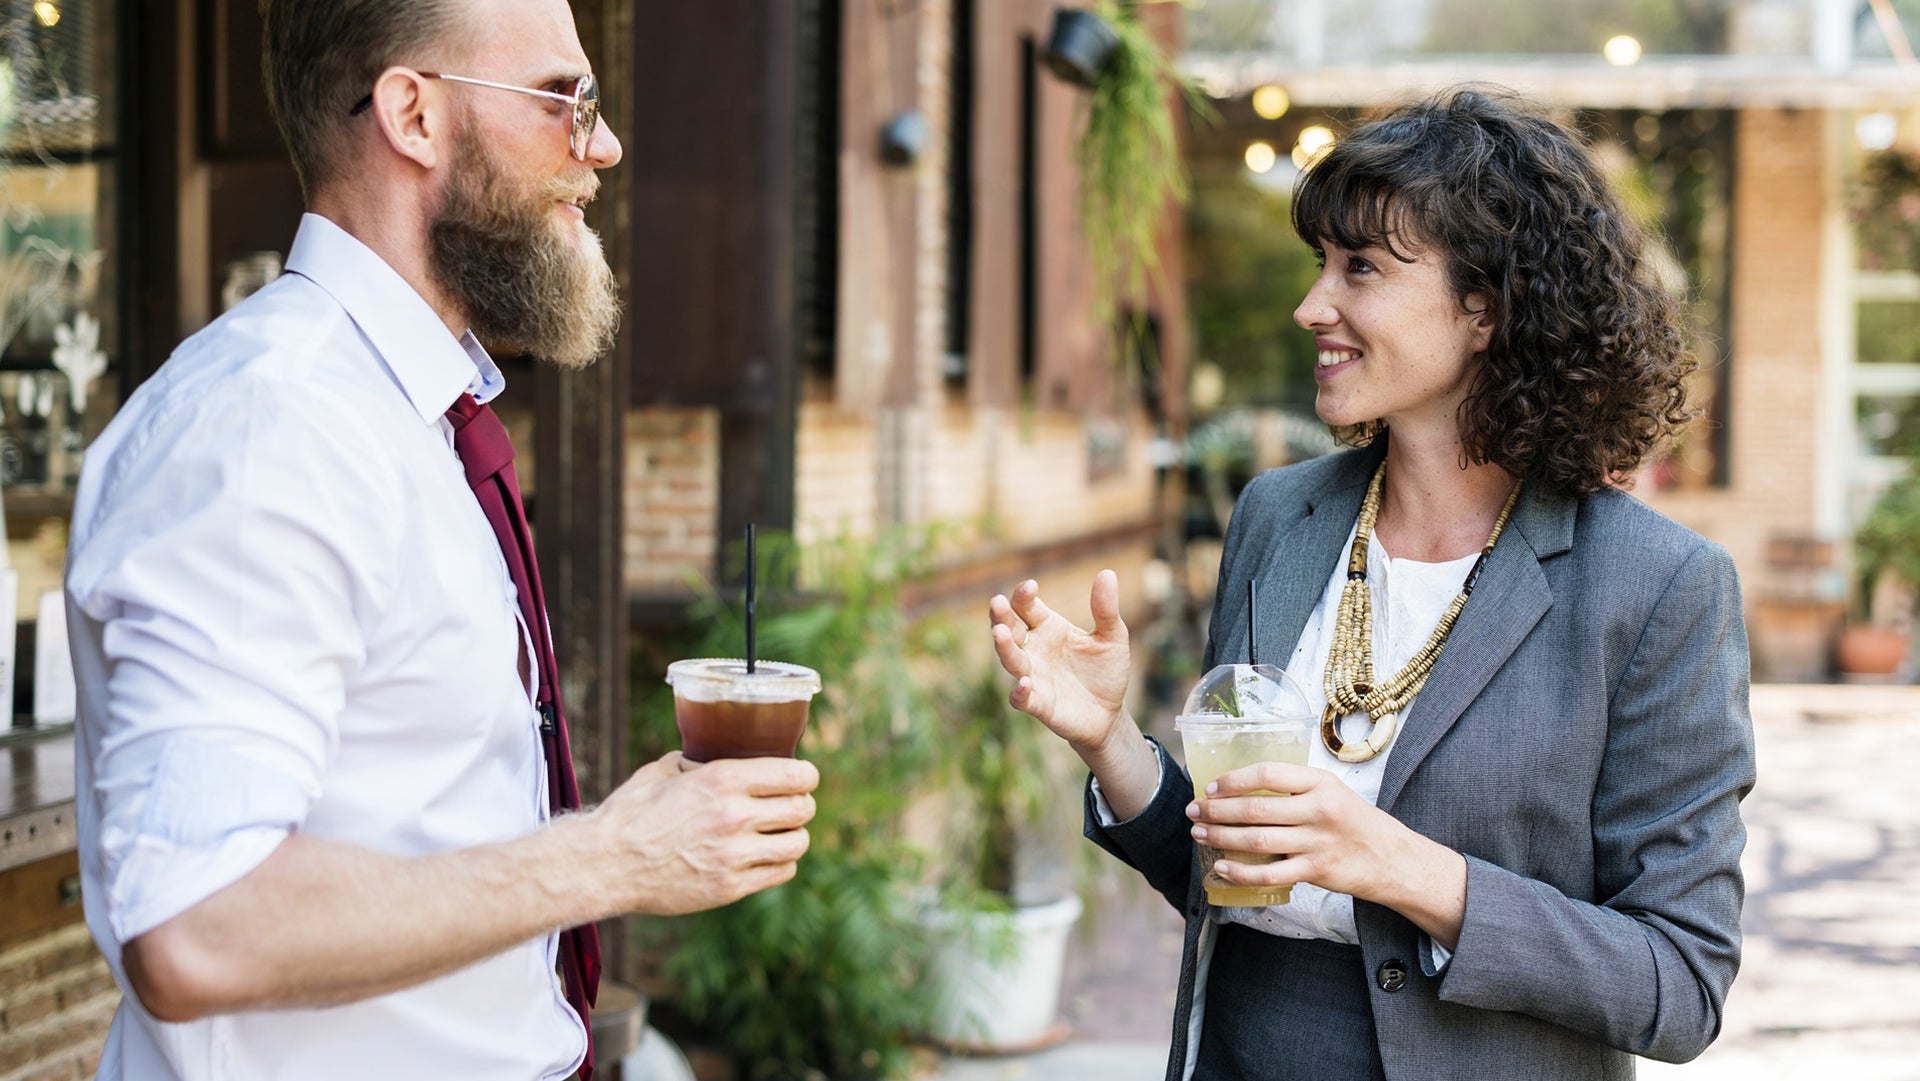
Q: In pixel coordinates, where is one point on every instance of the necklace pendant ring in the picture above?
(1378, 737)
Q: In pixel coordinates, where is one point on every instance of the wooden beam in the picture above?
(579, 461)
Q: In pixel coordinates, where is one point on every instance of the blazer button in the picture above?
(1392, 975)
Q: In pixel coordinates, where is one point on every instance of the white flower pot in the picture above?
(998, 976)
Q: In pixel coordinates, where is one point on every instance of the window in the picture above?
(60, 312)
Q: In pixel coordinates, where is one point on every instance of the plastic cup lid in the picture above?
(726, 679)
(1245, 694)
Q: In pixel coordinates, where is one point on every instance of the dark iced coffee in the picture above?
(725, 711)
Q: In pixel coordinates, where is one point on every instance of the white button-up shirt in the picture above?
(289, 613)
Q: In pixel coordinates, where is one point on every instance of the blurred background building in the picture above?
(858, 298)
(1768, 144)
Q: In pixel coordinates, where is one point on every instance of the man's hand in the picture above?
(684, 836)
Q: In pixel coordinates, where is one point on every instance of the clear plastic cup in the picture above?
(726, 712)
(1239, 715)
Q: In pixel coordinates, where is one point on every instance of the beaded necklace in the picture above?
(1350, 685)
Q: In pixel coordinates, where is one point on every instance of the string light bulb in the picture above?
(1271, 102)
(47, 12)
(1622, 50)
(1313, 142)
(1261, 157)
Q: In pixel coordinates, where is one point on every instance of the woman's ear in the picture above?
(1479, 308)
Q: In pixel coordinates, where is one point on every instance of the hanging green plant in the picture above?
(1129, 156)
(1886, 210)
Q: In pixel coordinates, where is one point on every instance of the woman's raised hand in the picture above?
(1074, 681)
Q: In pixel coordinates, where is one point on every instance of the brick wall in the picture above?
(56, 1002)
(894, 441)
(836, 473)
(672, 497)
(934, 455)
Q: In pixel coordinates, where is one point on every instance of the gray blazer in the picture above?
(1584, 741)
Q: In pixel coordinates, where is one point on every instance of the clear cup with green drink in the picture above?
(1239, 715)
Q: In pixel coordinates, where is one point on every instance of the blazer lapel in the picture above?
(1307, 539)
(1295, 571)
(1510, 598)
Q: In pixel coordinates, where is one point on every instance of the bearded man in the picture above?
(322, 768)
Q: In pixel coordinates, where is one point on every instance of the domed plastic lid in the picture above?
(726, 679)
(1248, 691)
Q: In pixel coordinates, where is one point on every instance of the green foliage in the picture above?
(1130, 165)
(1247, 273)
(823, 977)
(998, 773)
(1886, 210)
(1888, 540)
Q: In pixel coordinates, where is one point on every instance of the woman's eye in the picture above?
(1357, 265)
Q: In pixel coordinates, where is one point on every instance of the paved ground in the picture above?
(1830, 986)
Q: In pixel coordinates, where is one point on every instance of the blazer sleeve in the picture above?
(1157, 842)
(1646, 968)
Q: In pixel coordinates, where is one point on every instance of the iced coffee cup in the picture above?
(725, 711)
(1239, 715)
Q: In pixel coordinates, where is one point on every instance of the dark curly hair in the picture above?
(1585, 373)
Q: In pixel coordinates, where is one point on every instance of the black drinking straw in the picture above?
(752, 563)
(1253, 622)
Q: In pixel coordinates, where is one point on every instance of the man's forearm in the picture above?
(321, 923)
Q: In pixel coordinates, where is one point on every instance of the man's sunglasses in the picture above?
(585, 101)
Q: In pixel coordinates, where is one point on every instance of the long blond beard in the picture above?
(525, 286)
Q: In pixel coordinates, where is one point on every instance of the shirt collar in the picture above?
(432, 366)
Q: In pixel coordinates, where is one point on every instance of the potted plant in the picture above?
(1886, 564)
(1001, 944)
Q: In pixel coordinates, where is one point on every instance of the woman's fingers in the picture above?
(1272, 840)
(1026, 604)
(1000, 613)
(1012, 657)
(1264, 777)
(1287, 872)
(1105, 602)
(1251, 811)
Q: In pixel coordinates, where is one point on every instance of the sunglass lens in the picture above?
(586, 113)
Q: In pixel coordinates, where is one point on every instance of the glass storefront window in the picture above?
(1312, 33)
(60, 332)
(1889, 331)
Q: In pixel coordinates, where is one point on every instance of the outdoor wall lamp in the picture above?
(1080, 46)
(904, 138)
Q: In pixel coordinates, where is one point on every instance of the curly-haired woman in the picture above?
(1526, 864)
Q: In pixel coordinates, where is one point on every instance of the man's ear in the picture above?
(413, 120)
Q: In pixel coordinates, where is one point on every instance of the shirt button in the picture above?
(1392, 975)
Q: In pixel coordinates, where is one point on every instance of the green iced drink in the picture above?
(1242, 715)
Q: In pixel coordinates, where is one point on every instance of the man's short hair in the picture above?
(320, 57)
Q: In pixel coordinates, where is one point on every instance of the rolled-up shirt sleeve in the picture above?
(217, 607)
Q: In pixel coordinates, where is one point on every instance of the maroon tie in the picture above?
(486, 452)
